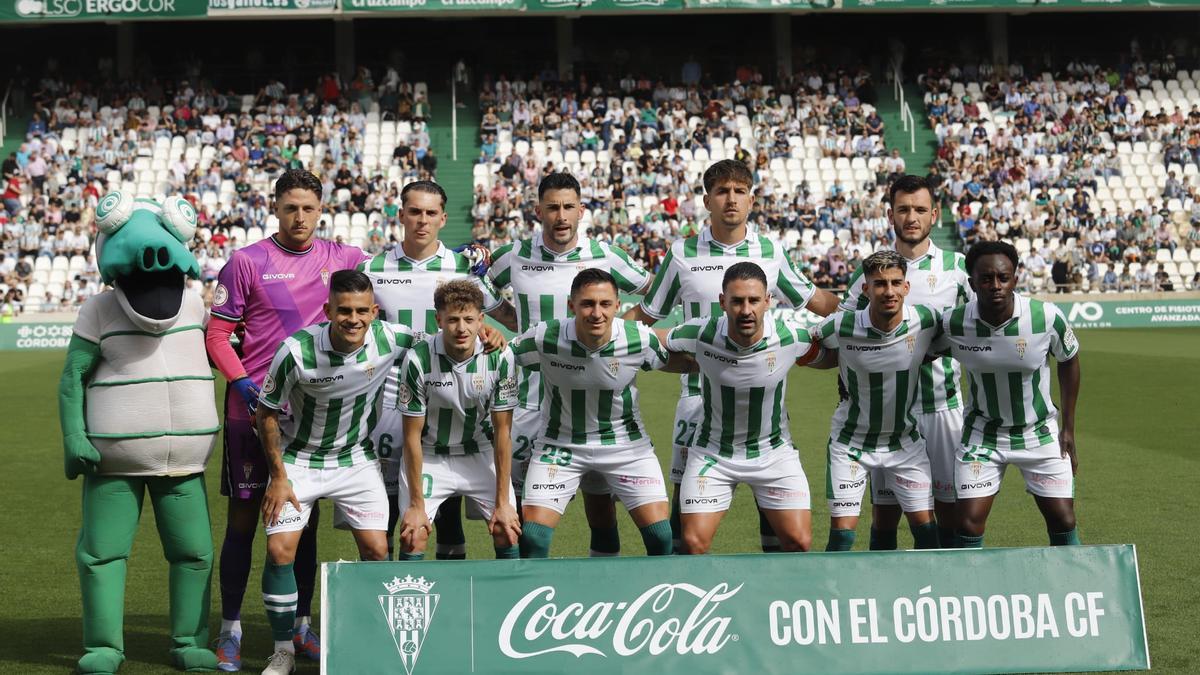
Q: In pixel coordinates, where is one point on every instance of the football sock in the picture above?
(967, 541)
(883, 540)
(1068, 538)
(657, 538)
(233, 627)
(766, 535)
(925, 536)
(279, 597)
(606, 542)
(235, 571)
(508, 553)
(301, 624)
(535, 540)
(947, 538)
(306, 563)
(451, 540)
(402, 556)
(840, 540)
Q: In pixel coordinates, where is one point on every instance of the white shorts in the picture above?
(525, 427)
(1047, 473)
(631, 473)
(357, 492)
(776, 478)
(942, 432)
(470, 476)
(902, 474)
(688, 414)
(387, 438)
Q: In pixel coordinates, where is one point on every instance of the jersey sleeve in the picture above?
(411, 396)
(352, 256)
(808, 347)
(683, 337)
(235, 281)
(655, 355)
(1064, 346)
(524, 348)
(500, 271)
(965, 292)
(400, 335)
(281, 377)
(854, 299)
(631, 277)
(491, 298)
(826, 332)
(940, 346)
(87, 324)
(791, 286)
(664, 292)
(505, 395)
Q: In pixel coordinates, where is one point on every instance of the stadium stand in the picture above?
(1091, 173)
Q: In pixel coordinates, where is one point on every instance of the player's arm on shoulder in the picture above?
(799, 291)
(660, 296)
(853, 296)
(940, 345)
(682, 338)
(500, 271)
(1064, 347)
(822, 303)
(493, 339)
(505, 314)
(525, 348)
(818, 355)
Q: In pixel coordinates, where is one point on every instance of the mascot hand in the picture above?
(79, 456)
(479, 257)
(248, 391)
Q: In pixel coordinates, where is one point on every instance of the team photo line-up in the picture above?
(376, 383)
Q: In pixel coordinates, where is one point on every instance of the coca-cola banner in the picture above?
(995, 610)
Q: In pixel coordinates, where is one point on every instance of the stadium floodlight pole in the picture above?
(453, 116)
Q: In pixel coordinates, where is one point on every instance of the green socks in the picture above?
(448, 529)
(657, 538)
(508, 553)
(606, 542)
(840, 540)
(967, 541)
(1068, 538)
(766, 534)
(408, 557)
(924, 536)
(535, 540)
(947, 538)
(280, 598)
(883, 540)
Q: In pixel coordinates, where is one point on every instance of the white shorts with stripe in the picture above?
(631, 473)
(979, 471)
(942, 432)
(472, 477)
(356, 491)
(775, 477)
(689, 412)
(902, 474)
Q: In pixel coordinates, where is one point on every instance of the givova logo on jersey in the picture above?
(408, 609)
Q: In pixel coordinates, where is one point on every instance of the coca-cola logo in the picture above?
(682, 618)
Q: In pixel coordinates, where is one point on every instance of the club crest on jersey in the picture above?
(701, 484)
(477, 382)
(247, 469)
(325, 276)
(1021, 345)
(405, 394)
(370, 372)
(932, 282)
(614, 367)
(221, 295)
(911, 342)
(976, 468)
(408, 609)
(551, 472)
(268, 384)
(771, 361)
(853, 470)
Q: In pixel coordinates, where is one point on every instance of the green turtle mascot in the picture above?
(138, 416)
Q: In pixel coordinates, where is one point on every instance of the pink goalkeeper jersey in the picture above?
(275, 292)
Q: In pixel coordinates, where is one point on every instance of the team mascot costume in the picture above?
(138, 415)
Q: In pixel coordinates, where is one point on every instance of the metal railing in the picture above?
(908, 123)
(453, 115)
(4, 112)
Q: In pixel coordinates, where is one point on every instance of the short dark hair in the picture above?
(298, 179)
(590, 276)
(558, 180)
(423, 186)
(727, 170)
(457, 293)
(349, 281)
(744, 271)
(909, 184)
(882, 260)
(991, 248)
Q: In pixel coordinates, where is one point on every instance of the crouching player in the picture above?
(457, 402)
(331, 375)
(591, 419)
(879, 351)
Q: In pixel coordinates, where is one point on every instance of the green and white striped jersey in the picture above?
(692, 272)
(743, 389)
(879, 375)
(938, 280)
(333, 397)
(591, 395)
(404, 290)
(541, 283)
(1009, 405)
(456, 398)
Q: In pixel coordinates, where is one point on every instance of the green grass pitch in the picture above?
(1137, 484)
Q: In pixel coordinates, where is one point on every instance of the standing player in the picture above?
(331, 376)
(692, 276)
(405, 279)
(744, 356)
(540, 272)
(592, 415)
(880, 351)
(1004, 342)
(457, 403)
(937, 279)
(273, 288)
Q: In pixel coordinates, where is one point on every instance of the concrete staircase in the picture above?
(455, 176)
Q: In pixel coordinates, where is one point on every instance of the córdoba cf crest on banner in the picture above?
(408, 609)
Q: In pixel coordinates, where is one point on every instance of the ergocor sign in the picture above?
(1001, 610)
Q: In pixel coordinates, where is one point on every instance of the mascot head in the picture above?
(142, 248)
